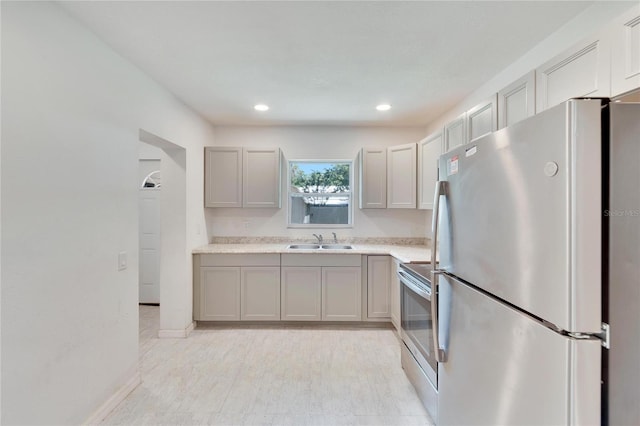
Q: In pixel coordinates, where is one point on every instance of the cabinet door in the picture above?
(401, 176)
(219, 293)
(625, 52)
(223, 177)
(341, 294)
(260, 293)
(261, 177)
(482, 119)
(373, 178)
(395, 294)
(301, 293)
(378, 286)
(583, 70)
(429, 150)
(455, 133)
(517, 101)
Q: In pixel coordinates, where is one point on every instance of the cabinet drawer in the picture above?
(239, 260)
(321, 259)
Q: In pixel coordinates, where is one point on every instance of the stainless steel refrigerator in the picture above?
(538, 228)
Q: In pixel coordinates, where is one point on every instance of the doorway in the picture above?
(149, 232)
(172, 262)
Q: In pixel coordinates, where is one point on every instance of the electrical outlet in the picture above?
(122, 261)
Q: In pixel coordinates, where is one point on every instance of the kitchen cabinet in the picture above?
(223, 177)
(625, 52)
(482, 119)
(220, 294)
(261, 177)
(429, 150)
(455, 132)
(373, 178)
(378, 290)
(341, 293)
(517, 101)
(232, 287)
(583, 70)
(395, 294)
(260, 293)
(242, 177)
(324, 287)
(301, 293)
(401, 176)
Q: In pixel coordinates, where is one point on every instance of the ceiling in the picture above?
(321, 62)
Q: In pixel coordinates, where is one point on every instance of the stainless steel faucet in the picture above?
(319, 237)
(335, 238)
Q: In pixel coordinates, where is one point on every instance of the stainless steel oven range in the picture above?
(418, 357)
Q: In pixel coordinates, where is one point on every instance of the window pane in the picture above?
(320, 210)
(320, 177)
(320, 193)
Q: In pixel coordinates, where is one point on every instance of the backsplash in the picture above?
(398, 241)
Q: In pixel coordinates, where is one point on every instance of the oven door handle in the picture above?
(405, 280)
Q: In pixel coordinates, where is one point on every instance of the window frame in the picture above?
(349, 194)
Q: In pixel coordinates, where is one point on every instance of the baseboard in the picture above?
(177, 334)
(115, 399)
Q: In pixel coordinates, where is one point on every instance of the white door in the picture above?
(149, 245)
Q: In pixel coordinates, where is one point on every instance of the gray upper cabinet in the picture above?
(373, 178)
(517, 101)
(429, 150)
(583, 70)
(401, 176)
(242, 177)
(482, 119)
(625, 52)
(261, 177)
(223, 177)
(455, 133)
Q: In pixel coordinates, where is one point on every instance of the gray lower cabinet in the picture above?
(341, 293)
(233, 287)
(301, 287)
(260, 293)
(301, 293)
(314, 293)
(378, 292)
(219, 293)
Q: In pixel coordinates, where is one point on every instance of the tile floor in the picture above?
(270, 376)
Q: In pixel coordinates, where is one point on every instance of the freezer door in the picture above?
(522, 214)
(504, 368)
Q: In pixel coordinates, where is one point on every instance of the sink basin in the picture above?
(319, 247)
(336, 247)
(304, 246)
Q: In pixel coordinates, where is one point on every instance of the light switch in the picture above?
(122, 261)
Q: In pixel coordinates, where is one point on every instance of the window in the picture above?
(320, 193)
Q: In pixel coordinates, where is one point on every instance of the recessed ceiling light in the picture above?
(383, 107)
(261, 107)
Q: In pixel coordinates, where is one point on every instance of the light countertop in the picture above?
(404, 253)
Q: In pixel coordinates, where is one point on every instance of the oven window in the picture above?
(416, 323)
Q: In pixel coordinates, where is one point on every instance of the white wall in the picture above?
(71, 114)
(589, 22)
(315, 143)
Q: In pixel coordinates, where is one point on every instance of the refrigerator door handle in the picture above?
(441, 190)
(441, 355)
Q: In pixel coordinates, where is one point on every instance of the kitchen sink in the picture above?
(319, 247)
(336, 247)
(304, 246)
